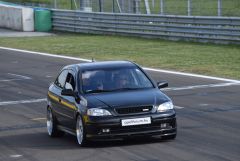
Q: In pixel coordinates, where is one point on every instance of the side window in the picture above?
(70, 83)
(60, 81)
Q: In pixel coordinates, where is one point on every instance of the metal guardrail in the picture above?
(191, 28)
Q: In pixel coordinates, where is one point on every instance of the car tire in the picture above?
(80, 132)
(169, 137)
(52, 125)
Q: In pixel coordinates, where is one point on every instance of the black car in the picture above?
(108, 100)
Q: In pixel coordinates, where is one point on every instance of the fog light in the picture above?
(164, 125)
(105, 130)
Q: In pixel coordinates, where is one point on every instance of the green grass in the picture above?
(208, 59)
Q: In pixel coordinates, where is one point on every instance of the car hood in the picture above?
(127, 98)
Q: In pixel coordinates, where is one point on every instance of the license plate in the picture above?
(137, 121)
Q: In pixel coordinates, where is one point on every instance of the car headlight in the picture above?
(98, 112)
(165, 106)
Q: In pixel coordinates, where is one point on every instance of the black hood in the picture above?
(127, 98)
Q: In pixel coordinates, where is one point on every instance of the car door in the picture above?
(68, 103)
(55, 95)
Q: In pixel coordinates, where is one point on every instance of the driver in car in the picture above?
(122, 81)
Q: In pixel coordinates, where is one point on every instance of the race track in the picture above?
(208, 115)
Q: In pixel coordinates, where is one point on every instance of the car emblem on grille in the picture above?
(145, 109)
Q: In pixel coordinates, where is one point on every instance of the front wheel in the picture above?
(80, 132)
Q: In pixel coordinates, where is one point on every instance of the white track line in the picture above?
(20, 77)
(200, 86)
(46, 54)
(22, 101)
(192, 75)
(145, 68)
(178, 107)
(37, 119)
(15, 156)
(9, 80)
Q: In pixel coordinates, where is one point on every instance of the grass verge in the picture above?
(207, 59)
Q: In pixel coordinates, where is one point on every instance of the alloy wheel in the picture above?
(49, 122)
(79, 130)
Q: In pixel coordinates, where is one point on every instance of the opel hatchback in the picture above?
(108, 100)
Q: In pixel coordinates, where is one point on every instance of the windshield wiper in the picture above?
(112, 90)
(126, 89)
(97, 91)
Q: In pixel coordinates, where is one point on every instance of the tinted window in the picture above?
(114, 79)
(60, 81)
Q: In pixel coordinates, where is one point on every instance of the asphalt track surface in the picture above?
(208, 113)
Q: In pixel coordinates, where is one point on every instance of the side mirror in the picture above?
(162, 84)
(67, 92)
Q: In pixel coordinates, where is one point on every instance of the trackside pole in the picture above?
(219, 7)
(189, 7)
(162, 7)
(136, 6)
(147, 7)
(119, 7)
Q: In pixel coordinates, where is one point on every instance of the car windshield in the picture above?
(107, 80)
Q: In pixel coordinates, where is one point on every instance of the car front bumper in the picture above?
(162, 124)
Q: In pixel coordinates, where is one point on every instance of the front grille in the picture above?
(132, 110)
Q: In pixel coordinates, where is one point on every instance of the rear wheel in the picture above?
(80, 132)
(52, 125)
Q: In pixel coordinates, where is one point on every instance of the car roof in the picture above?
(102, 65)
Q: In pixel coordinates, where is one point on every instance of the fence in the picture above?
(193, 28)
(225, 8)
(163, 7)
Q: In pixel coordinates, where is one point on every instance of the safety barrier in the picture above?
(16, 17)
(190, 28)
